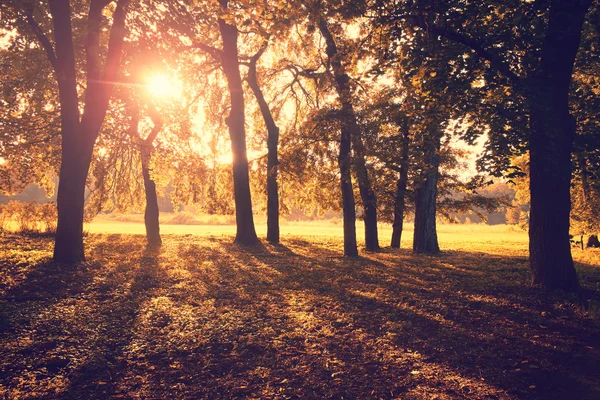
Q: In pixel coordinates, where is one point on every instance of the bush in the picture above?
(29, 217)
(184, 218)
(48, 216)
(4, 220)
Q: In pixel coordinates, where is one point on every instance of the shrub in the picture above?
(27, 217)
(184, 218)
(48, 217)
(4, 220)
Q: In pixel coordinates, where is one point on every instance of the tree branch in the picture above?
(495, 61)
(213, 51)
(41, 37)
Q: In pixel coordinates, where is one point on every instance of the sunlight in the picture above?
(162, 87)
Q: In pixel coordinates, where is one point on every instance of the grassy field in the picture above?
(204, 318)
(453, 236)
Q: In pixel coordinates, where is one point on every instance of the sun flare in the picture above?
(163, 87)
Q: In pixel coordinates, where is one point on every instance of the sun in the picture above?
(162, 87)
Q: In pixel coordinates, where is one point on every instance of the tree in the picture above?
(78, 132)
(272, 145)
(351, 133)
(425, 231)
(402, 182)
(537, 63)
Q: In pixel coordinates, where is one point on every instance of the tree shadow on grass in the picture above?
(205, 318)
(70, 324)
(119, 302)
(519, 339)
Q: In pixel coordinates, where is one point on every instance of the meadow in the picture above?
(205, 318)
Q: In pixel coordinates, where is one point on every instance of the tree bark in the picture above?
(272, 156)
(367, 194)
(75, 163)
(79, 137)
(351, 131)
(400, 200)
(151, 212)
(146, 148)
(246, 232)
(348, 210)
(425, 231)
(68, 246)
(552, 133)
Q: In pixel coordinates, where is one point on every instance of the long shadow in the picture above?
(430, 335)
(118, 303)
(212, 319)
(67, 326)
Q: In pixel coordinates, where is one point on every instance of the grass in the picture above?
(204, 318)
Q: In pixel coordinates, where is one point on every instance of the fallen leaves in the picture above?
(204, 318)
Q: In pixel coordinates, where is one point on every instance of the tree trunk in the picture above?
(400, 201)
(78, 138)
(425, 232)
(246, 233)
(352, 132)
(349, 213)
(551, 143)
(151, 213)
(75, 163)
(552, 132)
(272, 157)
(364, 185)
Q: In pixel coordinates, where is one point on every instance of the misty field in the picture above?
(204, 318)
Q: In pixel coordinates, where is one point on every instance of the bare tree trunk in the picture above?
(551, 143)
(272, 157)
(246, 232)
(400, 200)
(425, 232)
(352, 132)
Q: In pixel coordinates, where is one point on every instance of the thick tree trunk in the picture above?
(352, 132)
(272, 157)
(400, 200)
(246, 232)
(151, 213)
(425, 232)
(550, 177)
(78, 138)
(75, 163)
(552, 132)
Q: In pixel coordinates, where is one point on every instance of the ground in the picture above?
(204, 318)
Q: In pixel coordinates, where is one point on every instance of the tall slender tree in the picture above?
(351, 132)
(246, 232)
(272, 147)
